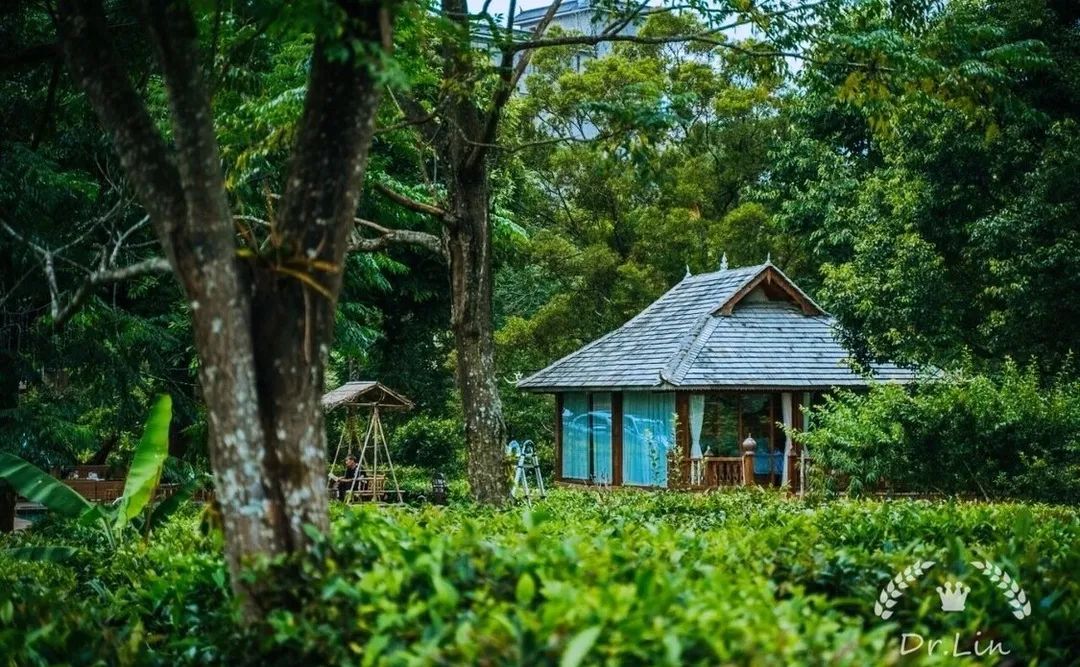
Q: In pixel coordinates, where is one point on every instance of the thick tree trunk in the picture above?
(468, 241)
(262, 330)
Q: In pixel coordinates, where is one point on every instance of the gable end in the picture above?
(771, 278)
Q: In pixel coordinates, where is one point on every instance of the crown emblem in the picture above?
(953, 595)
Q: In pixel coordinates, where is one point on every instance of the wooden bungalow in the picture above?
(720, 358)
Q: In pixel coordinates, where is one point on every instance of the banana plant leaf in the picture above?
(147, 462)
(41, 487)
(166, 508)
(41, 554)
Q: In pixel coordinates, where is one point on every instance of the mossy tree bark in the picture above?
(263, 325)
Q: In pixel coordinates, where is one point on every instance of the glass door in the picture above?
(758, 419)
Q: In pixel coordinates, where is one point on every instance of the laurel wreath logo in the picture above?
(894, 590)
(1021, 606)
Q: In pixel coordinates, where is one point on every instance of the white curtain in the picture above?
(600, 424)
(785, 405)
(575, 436)
(648, 434)
(697, 418)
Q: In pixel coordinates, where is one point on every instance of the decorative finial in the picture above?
(768, 258)
(687, 271)
(723, 262)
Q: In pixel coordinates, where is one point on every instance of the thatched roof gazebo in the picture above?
(371, 445)
(365, 394)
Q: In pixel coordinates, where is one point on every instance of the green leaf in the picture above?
(166, 508)
(579, 646)
(526, 589)
(41, 554)
(146, 465)
(41, 487)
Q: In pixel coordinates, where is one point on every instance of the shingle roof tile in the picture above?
(678, 341)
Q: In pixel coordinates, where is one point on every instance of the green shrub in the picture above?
(992, 437)
(429, 442)
(746, 577)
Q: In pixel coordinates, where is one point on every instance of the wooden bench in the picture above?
(370, 488)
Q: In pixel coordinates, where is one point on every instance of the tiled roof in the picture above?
(682, 341)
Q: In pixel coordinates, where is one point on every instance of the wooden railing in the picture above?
(723, 471)
(81, 471)
(103, 491)
(107, 491)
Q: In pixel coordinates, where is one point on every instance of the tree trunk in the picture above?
(468, 243)
(262, 326)
(467, 237)
(7, 508)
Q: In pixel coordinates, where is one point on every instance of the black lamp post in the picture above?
(439, 489)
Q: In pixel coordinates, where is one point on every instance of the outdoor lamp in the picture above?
(439, 488)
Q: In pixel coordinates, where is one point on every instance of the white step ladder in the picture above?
(527, 463)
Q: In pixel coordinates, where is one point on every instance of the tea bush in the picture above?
(748, 577)
(996, 437)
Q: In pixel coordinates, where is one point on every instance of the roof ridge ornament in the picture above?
(688, 274)
(768, 257)
(723, 262)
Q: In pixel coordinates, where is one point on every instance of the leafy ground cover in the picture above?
(583, 578)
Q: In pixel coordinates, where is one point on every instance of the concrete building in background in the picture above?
(574, 16)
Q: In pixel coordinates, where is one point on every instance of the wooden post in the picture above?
(616, 438)
(682, 437)
(558, 437)
(773, 430)
(749, 446)
(792, 462)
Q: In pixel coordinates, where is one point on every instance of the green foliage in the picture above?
(42, 554)
(142, 482)
(616, 578)
(430, 442)
(1002, 437)
(147, 463)
(38, 486)
(936, 185)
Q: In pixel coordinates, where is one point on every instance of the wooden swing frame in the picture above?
(375, 397)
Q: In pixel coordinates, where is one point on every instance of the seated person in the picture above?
(353, 479)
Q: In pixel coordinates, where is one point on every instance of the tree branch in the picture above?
(707, 36)
(514, 148)
(410, 203)
(415, 115)
(509, 75)
(175, 36)
(333, 137)
(61, 314)
(389, 237)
